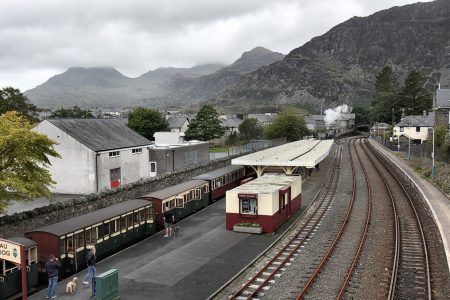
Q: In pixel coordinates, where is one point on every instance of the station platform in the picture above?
(438, 203)
(193, 264)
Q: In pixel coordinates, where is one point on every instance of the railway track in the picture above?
(260, 282)
(410, 276)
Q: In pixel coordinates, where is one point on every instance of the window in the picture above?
(130, 220)
(123, 223)
(179, 202)
(197, 194)
(106, 230)
(91, 236)
(70, 246)
(114, 226)
(114, 153)
(417, 129)
(62, 246)
(247, 205)
(153, 167)
(79, 239)
(149, 213)
(206, 188)
(401, 129)
(136, 151)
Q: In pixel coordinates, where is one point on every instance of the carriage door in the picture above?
(114, 176)
(152, 168)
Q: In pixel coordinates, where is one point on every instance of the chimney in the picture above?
(424, 113)
(439, 85)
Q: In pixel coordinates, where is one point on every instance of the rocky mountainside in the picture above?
(340, 66)
(107, 87)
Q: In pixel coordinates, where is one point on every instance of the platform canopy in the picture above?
(304, 153)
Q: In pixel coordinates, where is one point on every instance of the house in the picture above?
(414, 128)
(96, 154)
(178, 123)
(343, 122)
(263, 119)
(379, 128)
(170, 153)
(231, 123)
(442, 107)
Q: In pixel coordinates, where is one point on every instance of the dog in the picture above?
(71, 285)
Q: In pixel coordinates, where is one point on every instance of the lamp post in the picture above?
(409, 147)
(433, 167)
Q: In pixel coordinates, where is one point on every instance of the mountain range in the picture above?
(338, 67)
(107, 87)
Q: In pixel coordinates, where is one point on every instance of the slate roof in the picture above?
(92, 218)
(176, 122)
(231, 122)
(417, 121)
(262, 118)
(24, 241)
(443, 98)
(101, 134)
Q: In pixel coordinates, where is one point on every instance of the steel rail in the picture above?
(364, 234)
(313, 277)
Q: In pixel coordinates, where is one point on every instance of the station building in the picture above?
(275, 195)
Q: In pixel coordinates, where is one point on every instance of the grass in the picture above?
(218, 149)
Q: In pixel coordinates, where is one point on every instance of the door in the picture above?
(152, 168)
(114, 175)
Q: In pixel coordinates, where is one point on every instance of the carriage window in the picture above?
(91, 236)
(191, 194)
(142, 215)
(123, 223)
(106, 230)
(79, 239)
(197, 193)
(62, 245)
(114, 225)
(136, 218)
(130, 220)
(150, 212)
(206, 187)
(180, 202)
(70, 245)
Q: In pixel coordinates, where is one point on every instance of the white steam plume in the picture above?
(333, 114)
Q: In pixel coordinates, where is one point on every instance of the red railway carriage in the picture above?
(222, 180)
(268, 201)
(182, 199)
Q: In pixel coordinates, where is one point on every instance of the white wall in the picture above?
(133, 167)
(411, 132)
(74, 172)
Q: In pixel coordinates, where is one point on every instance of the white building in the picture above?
(96, 154)
(178, 124)
(414, 128)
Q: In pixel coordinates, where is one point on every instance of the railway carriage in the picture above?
(11, 274)
(222, 180)
(268, 201)
(182, 199)
(108, 229)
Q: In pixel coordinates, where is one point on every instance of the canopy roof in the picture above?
(304, 153)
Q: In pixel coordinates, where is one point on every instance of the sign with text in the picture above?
(10, 251)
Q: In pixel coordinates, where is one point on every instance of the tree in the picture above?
(206, 125)
(386, 96)
(23, 160)
(361, 116)
(414, 97)
(288, 124)
(146, 122)
(250, 129)
(72, 113)
(12, 99)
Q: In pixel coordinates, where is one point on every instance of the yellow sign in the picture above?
(9, 251)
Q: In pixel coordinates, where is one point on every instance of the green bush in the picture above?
(248, 224)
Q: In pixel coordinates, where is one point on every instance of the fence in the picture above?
(254, 145)
(411, 150)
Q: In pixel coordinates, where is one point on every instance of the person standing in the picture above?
(90, 261)
(52, 267)
(169, 218)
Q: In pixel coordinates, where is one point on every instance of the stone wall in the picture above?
(19, 223)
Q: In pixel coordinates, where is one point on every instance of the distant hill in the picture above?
(107, 87)
(340, 66)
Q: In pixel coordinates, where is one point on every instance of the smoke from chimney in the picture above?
(333, 114)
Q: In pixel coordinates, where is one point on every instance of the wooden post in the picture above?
(23, 267)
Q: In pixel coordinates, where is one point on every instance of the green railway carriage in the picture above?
(11, 274)
(182, 199)
(108, 229)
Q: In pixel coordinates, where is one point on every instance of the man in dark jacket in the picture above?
(168, 221)
(52, 267)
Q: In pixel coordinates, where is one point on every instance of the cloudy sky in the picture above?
(43, 38)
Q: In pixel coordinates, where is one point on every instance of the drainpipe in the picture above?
(173, 160)
(96, 171)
